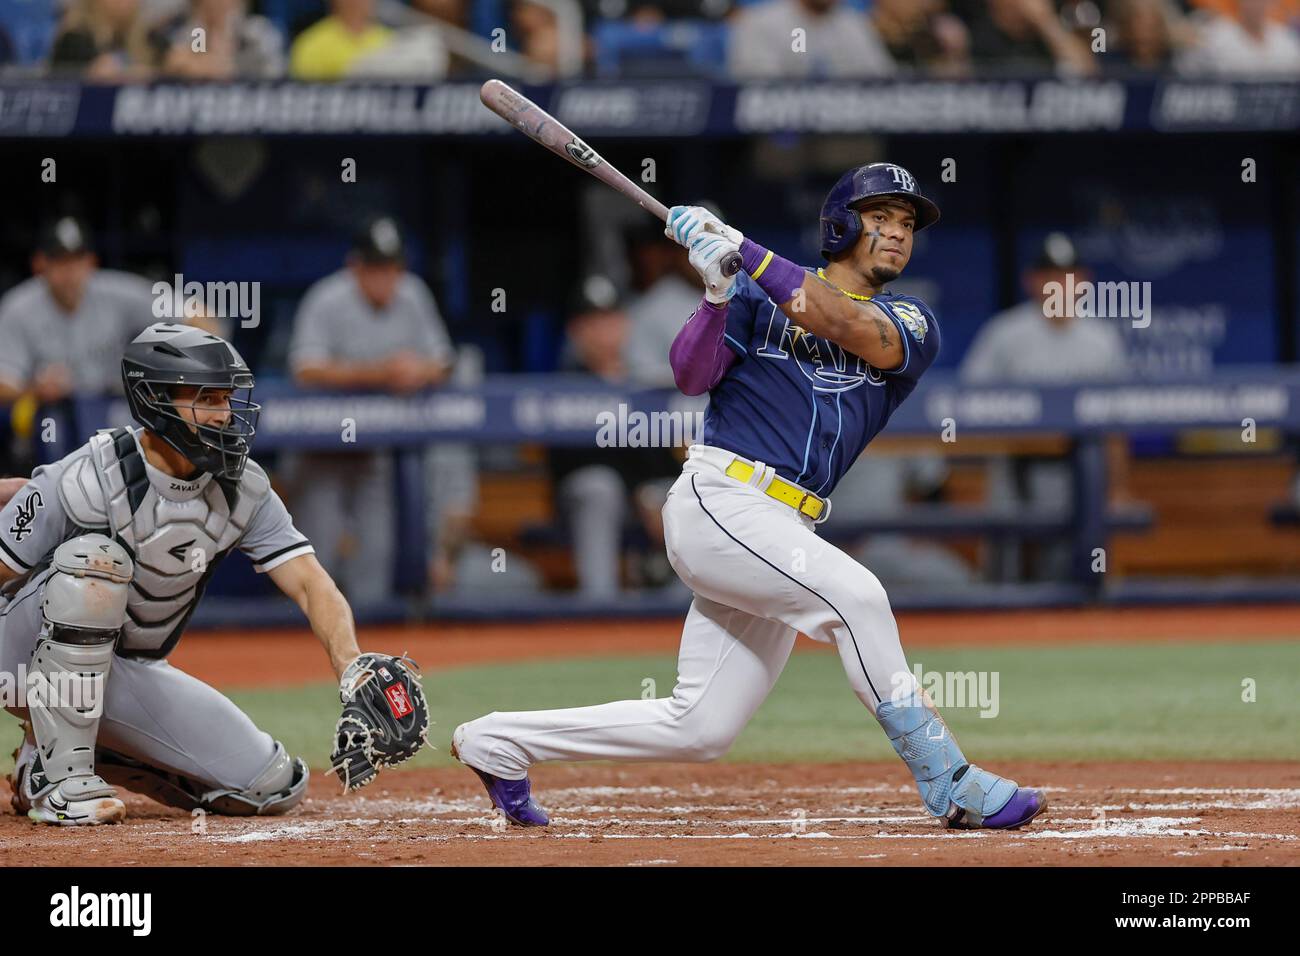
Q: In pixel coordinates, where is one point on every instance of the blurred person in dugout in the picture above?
(63, 331)
(603, 492)
(1031, 344)
(665, 291)
(372, 326)
(881, 485)
(457, 560)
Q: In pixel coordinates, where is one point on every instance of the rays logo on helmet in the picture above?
(902, 177)
(913, 319)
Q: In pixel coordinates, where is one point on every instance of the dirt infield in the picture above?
(660, 815)
(252, 658)
(1205, 814)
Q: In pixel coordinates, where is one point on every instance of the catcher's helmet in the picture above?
(166, 355)
(841, 222)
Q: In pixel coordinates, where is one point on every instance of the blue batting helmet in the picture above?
(841, 222)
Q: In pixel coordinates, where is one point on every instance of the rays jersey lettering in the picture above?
(802, 403)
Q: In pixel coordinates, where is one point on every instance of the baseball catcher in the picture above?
(104, 556)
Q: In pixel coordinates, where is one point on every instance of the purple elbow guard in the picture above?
(699, 355)
(779, 278)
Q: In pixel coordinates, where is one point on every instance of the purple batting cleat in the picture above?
(1024, 805)
(514, 798)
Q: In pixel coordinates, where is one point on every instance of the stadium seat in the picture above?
(485, 16)
(625, 49)
(30, 25)
(291, 15)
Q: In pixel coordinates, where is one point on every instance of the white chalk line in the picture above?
(384, 812)
(1086, 829)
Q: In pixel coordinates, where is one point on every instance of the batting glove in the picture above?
(688, 223)
(707, 252)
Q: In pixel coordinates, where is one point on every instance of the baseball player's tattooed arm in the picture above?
(310, 586)
(860, 327)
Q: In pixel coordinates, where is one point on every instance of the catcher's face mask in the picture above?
(213, 426)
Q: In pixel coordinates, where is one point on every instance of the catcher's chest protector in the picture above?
(175, 530)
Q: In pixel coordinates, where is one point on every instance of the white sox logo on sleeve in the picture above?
(26, 516)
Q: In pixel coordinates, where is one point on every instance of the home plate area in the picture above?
(662, 815)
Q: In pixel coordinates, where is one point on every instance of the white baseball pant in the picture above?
(760, 575)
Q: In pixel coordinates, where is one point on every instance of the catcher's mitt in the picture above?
(385, 718)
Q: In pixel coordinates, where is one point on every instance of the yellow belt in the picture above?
(784, 492)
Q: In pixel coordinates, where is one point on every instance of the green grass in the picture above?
(1079, 702)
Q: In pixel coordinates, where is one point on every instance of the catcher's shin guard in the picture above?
(951, 787)
(276, 790)
(83, 606)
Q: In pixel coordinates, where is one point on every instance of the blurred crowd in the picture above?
(134, 40)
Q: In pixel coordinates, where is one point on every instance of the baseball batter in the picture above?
(803, 368)
(104, 556)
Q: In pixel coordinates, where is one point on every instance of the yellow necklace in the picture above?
(851, 295)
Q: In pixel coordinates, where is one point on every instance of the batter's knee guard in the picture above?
(279, 788)
(83, 608)
(950, 786)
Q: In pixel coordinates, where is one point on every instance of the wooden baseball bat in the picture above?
(541, 127)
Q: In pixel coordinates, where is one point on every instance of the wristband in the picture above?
(778, 277)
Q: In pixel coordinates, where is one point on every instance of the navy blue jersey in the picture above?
(801, 403)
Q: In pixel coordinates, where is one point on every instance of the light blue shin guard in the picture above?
(944, 777)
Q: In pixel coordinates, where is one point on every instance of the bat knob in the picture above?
(731, 264)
